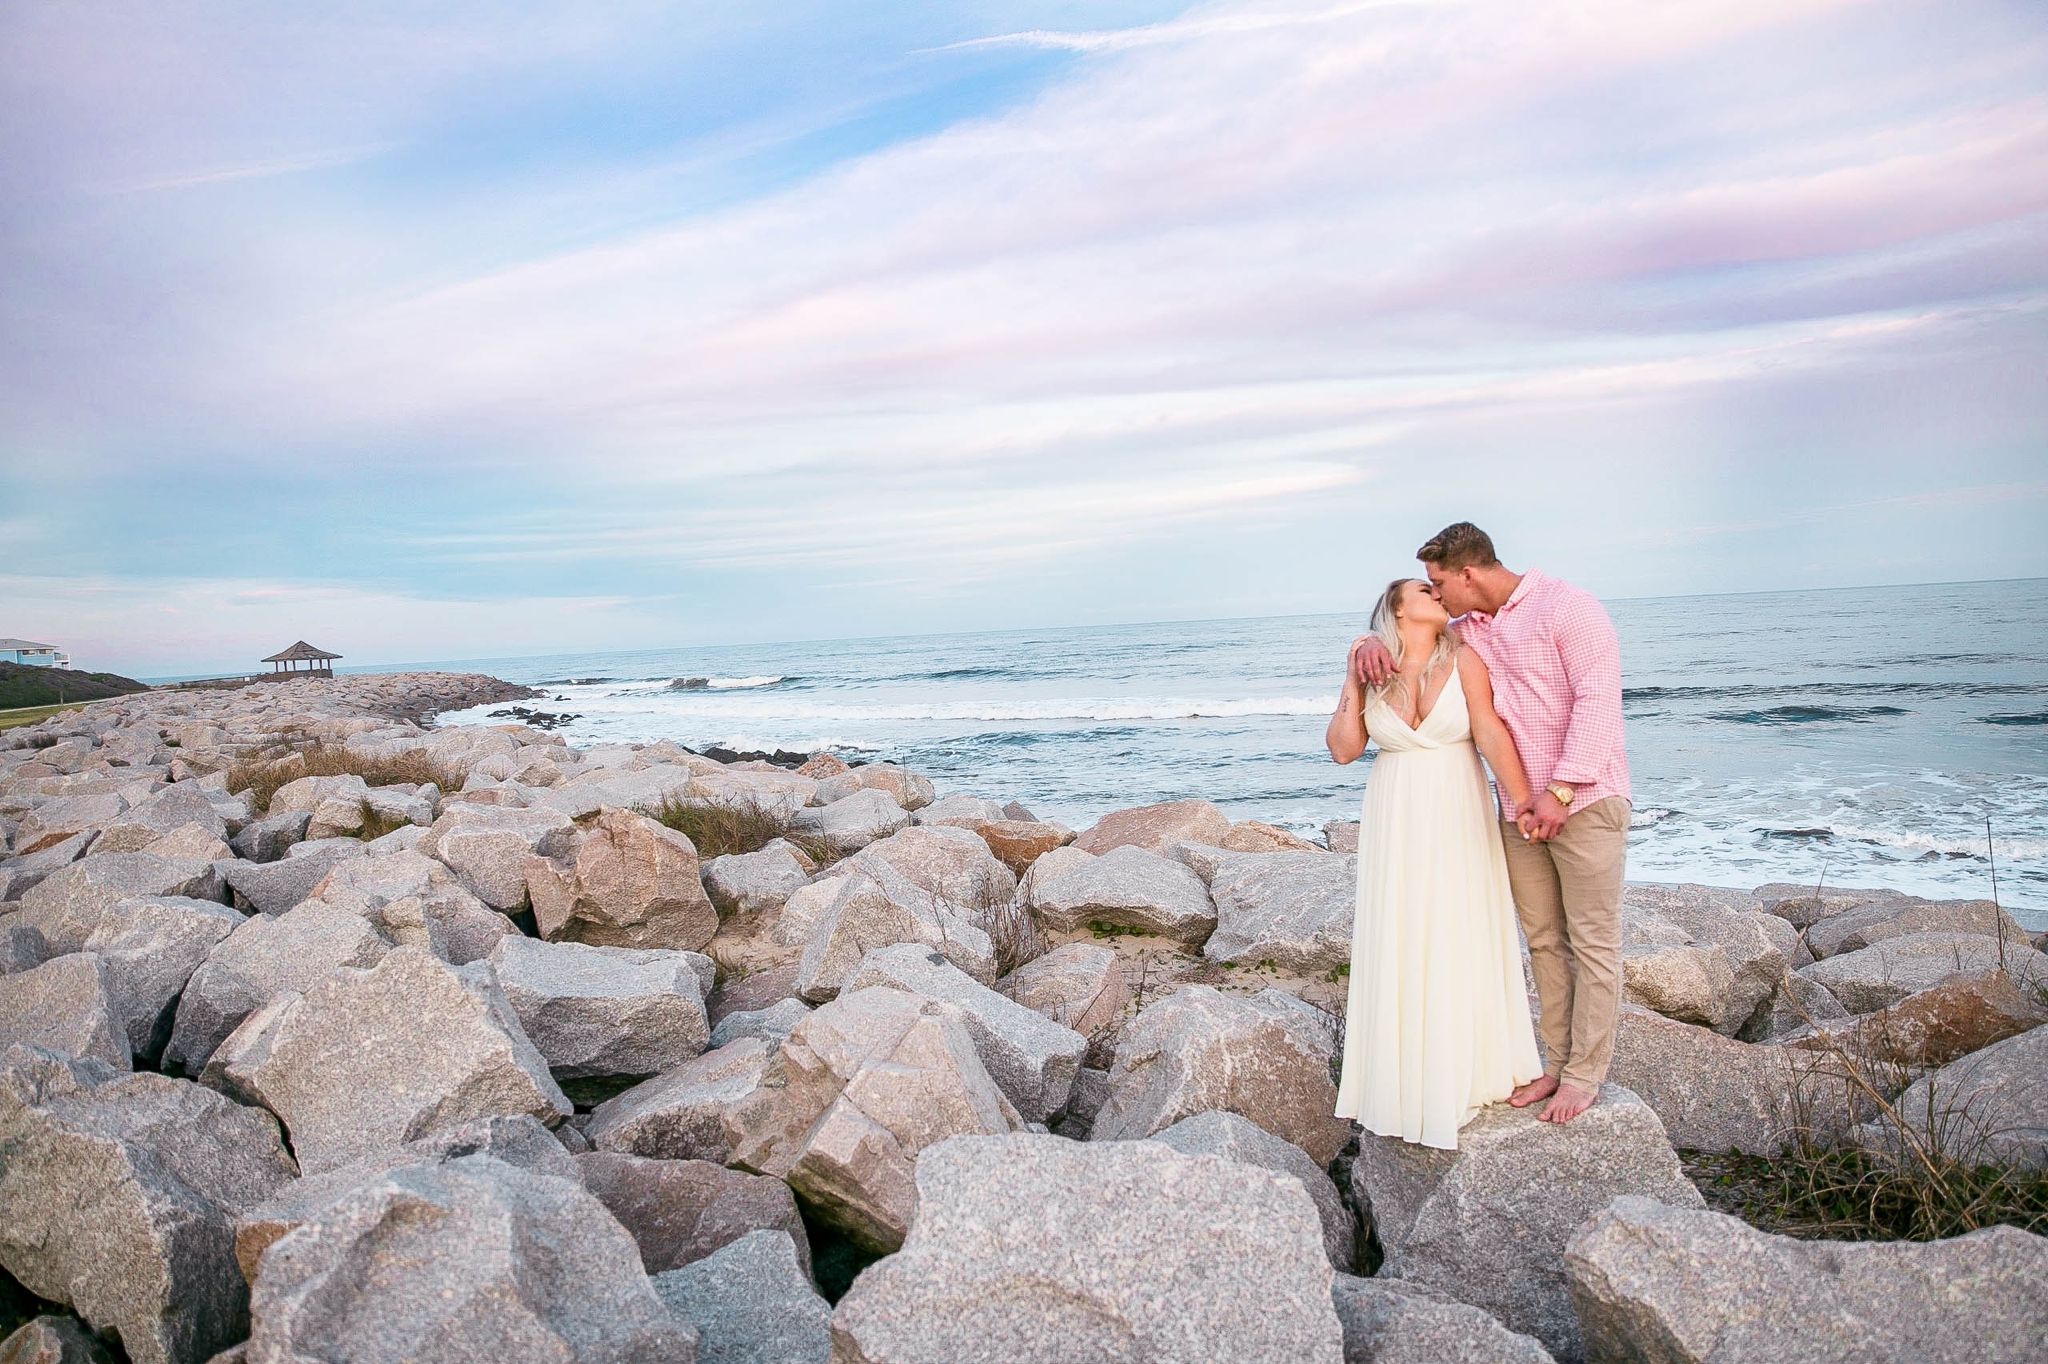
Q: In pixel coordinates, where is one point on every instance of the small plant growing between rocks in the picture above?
(1103, 929)
(375, 826)
(263, 775)
(1007, 920)
(730, 966)
(1928, 1175)
(718, 830)
(1846, 1193)
(1013, 932)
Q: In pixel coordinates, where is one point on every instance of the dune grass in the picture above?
(719, 830)
(25, 684)
(375, 826)
(262, 776)
(1933, 1175)
(1843, 1193)
(1011, 930)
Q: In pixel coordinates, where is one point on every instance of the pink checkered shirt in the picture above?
(1556, 667)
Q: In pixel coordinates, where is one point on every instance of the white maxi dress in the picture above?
(1437, 1023)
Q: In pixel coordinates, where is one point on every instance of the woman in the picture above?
(1438, 1017)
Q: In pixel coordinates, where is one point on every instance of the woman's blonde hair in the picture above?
(1387, 627)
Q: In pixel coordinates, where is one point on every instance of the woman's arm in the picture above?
(1346, 735)
(1489, 733)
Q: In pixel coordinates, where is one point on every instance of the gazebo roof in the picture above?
(298, 653)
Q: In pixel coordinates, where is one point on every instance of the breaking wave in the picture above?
(1904, 690)
(1053, 710)
(1807, 715)
(725, 683)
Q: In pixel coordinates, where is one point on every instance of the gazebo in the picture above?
(319, 663)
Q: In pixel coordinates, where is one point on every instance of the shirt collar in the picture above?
(1522, 590)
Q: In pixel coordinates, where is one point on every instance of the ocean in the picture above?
(1864, 735)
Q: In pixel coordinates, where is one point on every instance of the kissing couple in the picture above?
(1525, 670)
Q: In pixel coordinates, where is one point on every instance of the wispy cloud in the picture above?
(978, 526)
(1214, 24)
(1270, 284)
(292, 164)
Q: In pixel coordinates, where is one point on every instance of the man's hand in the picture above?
(1546, 817)
(1370, 661)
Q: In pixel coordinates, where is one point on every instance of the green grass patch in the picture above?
(28, 715)
(1102, 929)
(23, 684)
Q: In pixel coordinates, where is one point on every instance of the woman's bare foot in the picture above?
(1536, 1091)
(1567, 1103)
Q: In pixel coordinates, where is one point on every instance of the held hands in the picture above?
(1542, 819)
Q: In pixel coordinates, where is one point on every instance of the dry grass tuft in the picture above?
(1844, 1193)
(262, 776)
(1932, 1176)
(1013, 932)
(376, 826)
(717, 830)
(730, 965)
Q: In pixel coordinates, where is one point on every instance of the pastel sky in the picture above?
(450, 331)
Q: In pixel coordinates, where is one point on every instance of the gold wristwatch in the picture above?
(1564, 793)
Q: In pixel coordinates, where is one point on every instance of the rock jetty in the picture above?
(328, 1033)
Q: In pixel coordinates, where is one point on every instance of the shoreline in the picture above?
(295, 712)
(1760, 755)
(423, 700)
(1695, 858)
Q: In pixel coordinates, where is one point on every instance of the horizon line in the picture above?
(441, 665)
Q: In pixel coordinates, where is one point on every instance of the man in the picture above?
(1556, 667)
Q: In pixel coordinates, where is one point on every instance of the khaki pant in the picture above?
(1568, 894)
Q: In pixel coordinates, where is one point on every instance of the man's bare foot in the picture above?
(1567, 1103)
(1536, 1091)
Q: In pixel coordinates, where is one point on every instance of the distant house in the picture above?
(319, 663)
(32, 653)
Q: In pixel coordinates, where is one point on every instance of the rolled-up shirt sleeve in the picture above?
(1591, 654)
